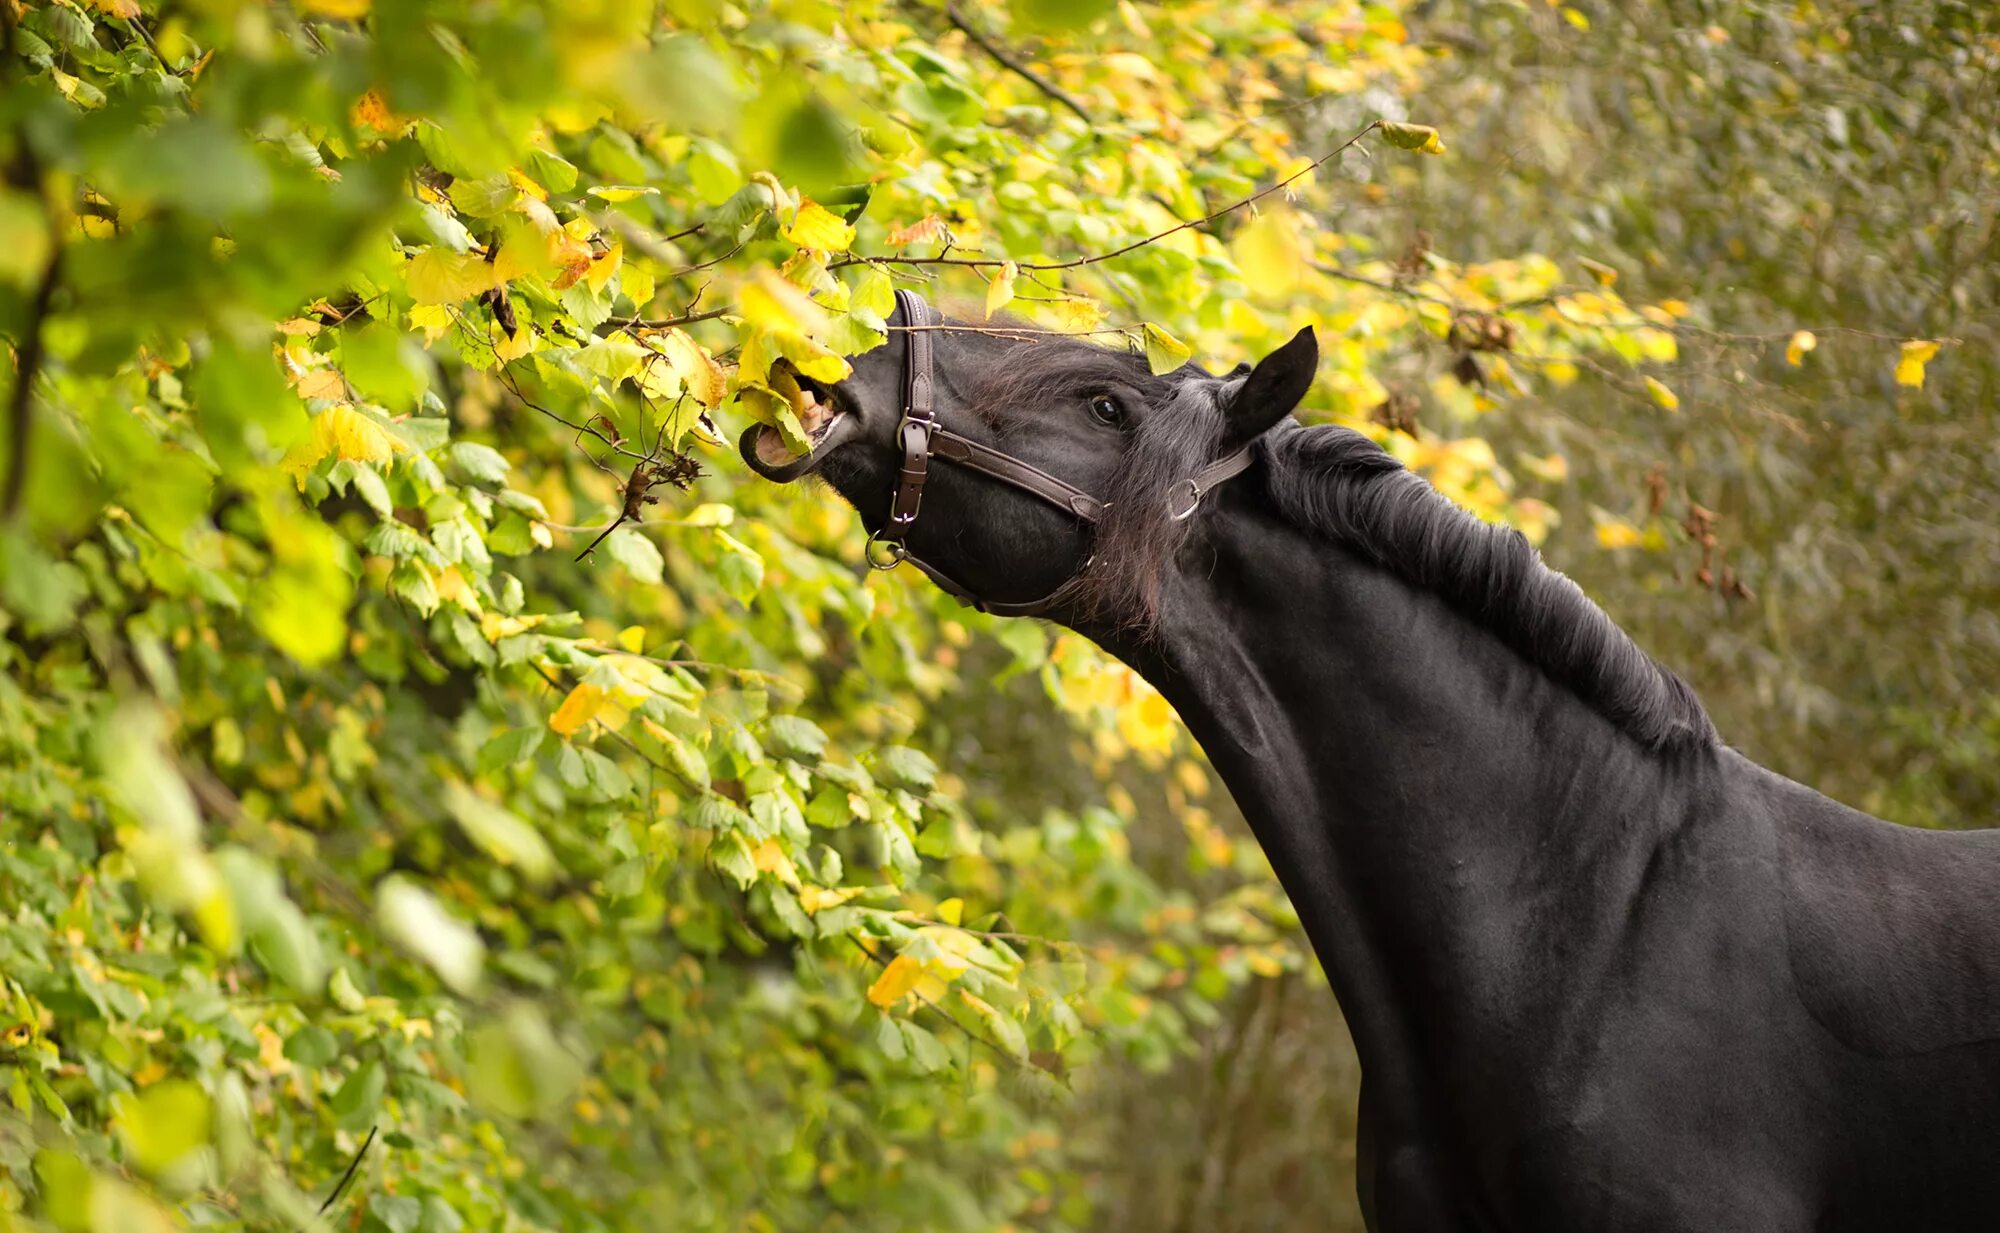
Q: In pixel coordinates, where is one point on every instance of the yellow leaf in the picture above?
(895, 982)
(1419, 137)
(1071, 314)
(1272, 254)
(583, 705)
(350, 9)
(321, 383)
(815, 361)
(1910, 368)
(453, 587)
(432, 319)
(770, 858)
(526, 183)
(513, 346)
(1164, 352)
(117, 8)
(813, 898)
(349, 434)
(1795, 350)
(341, 432)
(1554, 468)
(1658, 346)
(632, 638)
(923, 231)
(1662, 395)
(620, 192)
(1001, 289)
(819, 228)
(1616, 533)
(1603, 273)
(951, 911)
(439, 276)
(773, 304)
(603, 268)
(371, 110)
(699, 373)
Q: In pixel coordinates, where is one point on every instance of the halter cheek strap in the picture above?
(921, 438)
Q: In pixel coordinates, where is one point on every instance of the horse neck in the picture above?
(1453, 827)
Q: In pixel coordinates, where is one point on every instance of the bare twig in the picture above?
(994, 263)
(663, 323)
(352, 1165)
(1012, 64)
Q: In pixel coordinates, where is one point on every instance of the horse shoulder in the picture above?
(1893, 932)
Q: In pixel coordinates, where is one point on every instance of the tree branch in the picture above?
(1009, 62)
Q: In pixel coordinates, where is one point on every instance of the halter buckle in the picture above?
(897, 553)
(1195, 495)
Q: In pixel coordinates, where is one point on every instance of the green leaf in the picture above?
(416, 921)
(162, 1125)
(484, 197)
(478, 464)
(899, 766)
(357, 1101)
(796, 737)
(741, 569)
(636, 554)
(499, 833)
(517, 1066)
(312, 1047)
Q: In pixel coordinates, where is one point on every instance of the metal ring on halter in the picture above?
(1194, 501)
(897, 552)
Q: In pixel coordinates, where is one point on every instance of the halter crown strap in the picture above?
(921, 437)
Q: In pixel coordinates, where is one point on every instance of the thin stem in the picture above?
(1074, 262)
(348, 1176)
(1014, 65)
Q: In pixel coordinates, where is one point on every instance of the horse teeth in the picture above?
(771, 447)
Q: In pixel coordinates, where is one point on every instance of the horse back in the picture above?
(1893, 932)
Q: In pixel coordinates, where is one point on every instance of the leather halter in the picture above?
(923, 438)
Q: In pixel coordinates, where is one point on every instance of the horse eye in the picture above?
(1105, 411)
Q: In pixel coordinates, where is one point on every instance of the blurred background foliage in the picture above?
(352, 822)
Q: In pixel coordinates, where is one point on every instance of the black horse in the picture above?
(1603, 972)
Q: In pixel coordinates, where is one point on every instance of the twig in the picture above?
(352, 1165)
(639, 237)
(580, 429)
(1014, 65)
(992, 263)
(664, 323)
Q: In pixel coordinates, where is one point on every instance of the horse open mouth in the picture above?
(828, 426)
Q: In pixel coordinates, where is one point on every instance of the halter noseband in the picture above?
(923, 438)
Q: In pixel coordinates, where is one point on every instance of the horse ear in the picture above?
(1273, 388)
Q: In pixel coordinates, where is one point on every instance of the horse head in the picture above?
(1014, 464)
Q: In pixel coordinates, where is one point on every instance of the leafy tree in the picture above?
(440, 790)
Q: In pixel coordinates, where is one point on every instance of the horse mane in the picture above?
(1339, 483)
